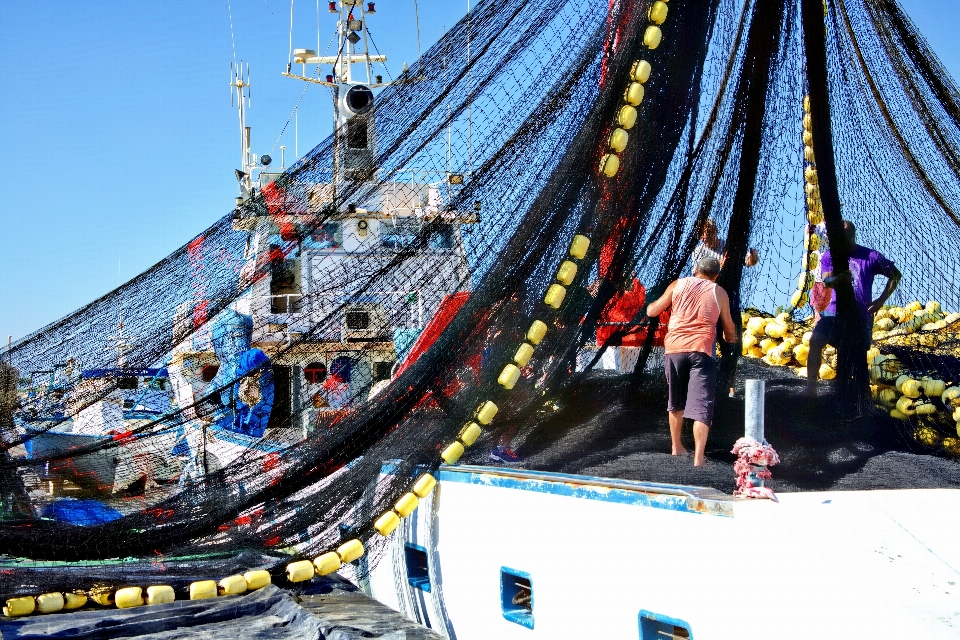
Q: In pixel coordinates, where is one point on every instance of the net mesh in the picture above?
(274, 386)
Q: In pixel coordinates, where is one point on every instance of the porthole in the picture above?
(315, 372)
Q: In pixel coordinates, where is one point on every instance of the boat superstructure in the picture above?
(312, 313)
(320, 338)
(57, 418)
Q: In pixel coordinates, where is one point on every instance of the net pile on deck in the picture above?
(589, 169)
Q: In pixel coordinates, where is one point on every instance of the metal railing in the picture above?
(401, 309)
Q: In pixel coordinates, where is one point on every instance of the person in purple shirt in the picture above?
(864, 265)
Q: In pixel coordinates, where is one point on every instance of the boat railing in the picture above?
(419, 193)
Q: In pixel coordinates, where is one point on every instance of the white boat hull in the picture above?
(606, 557)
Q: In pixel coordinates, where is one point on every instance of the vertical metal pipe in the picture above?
(753, 409)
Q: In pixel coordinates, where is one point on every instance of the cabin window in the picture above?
(397, 234)
(655, 626)
(358, 319)
(418, 574)
(382, 370)
(284, 276)
(342, 368)
(209, 372)
(516, 596)
(442, 238)
(328, 235)
(315, 373)
(127, 382)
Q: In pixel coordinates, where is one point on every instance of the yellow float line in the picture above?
(129, 597)
(633, 94)
(814, 206)
(567, 271)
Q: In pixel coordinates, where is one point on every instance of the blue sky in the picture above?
(118, 141)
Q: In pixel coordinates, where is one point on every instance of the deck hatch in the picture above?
(516, 596)
(655, 626)
(418, 574)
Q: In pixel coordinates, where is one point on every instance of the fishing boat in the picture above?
(309, 270)
(504, 551)
(57, 421)
(510, 553)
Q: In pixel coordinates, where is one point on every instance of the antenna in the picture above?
(121, 344)
(469, 99)
(240, 81)
(416, 17)
(446, 80)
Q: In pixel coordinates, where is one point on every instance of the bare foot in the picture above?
(699, 463)
(679, 452)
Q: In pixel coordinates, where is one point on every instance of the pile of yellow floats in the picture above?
(780, 342)
(915, 325)
(904, 393)
(907, 396)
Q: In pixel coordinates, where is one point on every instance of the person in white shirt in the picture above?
(711, 246)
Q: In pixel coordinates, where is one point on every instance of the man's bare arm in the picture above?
(831, 280)
(726, 320)
(660, 305)
(893, 280)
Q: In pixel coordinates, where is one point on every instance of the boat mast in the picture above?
(354, 130)
(240, 89)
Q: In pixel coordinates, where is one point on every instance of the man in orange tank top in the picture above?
(689, 350)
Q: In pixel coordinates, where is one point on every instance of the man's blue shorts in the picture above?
(829, 329)
(691, 379)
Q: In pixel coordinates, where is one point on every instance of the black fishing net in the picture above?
(269, 390)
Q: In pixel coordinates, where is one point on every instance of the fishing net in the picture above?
(276, 387)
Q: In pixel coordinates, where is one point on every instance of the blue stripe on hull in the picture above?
(647, 494)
